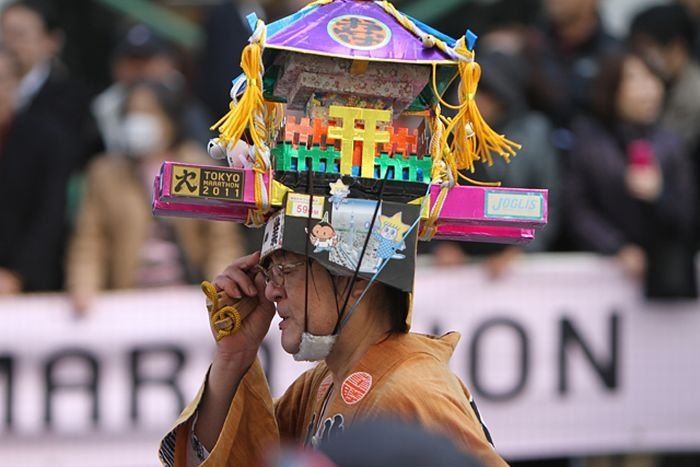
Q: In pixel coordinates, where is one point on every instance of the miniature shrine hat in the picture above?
(349, 159)
(322, 102)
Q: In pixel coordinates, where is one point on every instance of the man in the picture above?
(566, 59)
(142, 55)
(40, 121)
(30, 30)
(371, 366)
(347, 303)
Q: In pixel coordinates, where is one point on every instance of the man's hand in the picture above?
(10, 283)
(236, 352)
(241, 279)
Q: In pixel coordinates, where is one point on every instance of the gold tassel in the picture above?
(438, 143)
(242, 115)
(472, 138)
(252, 113)
(469, 126)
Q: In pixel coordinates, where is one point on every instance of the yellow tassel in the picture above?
(469, 125)
(274, 113)
(437, 146)
(472, 139)
(242, 115)
(252, 113)
(429, 225)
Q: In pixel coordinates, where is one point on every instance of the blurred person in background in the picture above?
(630, 191)
(565, 59)
(276, 9)
(693, 8)
(513, 18)
(665, 35)
(502, 102)
(30, 30)
(378, 443)
(35, 163)
(225, 33)
(392, 443)
(143, 55)
(117, 242)
(225, 30)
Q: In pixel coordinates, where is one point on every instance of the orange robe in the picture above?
(404, 377)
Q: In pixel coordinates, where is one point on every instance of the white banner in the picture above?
(563, 357)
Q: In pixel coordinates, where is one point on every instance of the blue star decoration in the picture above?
(339, 191)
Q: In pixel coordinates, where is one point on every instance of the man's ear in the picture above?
(359, 287)
(342, 284)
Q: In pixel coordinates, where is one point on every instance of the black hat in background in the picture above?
(139, 41)
(505, 77)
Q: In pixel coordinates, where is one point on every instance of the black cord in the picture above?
(306, 248)
(364, 247)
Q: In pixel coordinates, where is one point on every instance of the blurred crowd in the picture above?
(78, 160)
(608, 124)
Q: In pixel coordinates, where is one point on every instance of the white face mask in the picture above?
(142, 134)
(314, 348)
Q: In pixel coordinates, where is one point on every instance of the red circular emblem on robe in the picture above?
(355, 387)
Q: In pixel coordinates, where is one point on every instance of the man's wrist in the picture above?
(230, 367)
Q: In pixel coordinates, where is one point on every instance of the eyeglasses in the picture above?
(276, 272)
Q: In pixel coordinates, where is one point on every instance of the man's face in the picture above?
(564, 12)
(25, 35)
(128, 70)
(290, 299)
